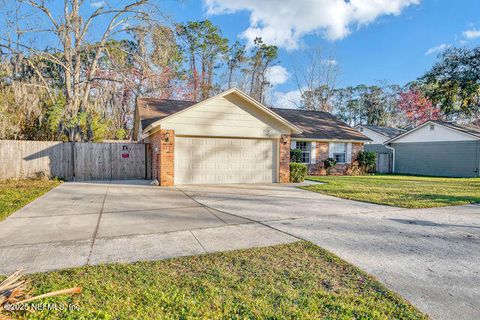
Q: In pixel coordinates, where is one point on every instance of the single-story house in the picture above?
(379, 135)
(437, 148)
(232, 138)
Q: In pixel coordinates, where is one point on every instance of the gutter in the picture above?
(393, 161)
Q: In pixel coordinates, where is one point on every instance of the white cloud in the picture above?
(285, 22)
(330, 62)
(471, 34)
(277, 75)
(289, 100)
(98, 4)
(437, 49)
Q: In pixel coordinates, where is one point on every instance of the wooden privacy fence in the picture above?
(73, 161)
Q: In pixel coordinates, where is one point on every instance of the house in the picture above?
(379, 135)
(437, 148)
(231, 138)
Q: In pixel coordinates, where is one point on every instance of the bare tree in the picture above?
(316, 81)
(78, 59)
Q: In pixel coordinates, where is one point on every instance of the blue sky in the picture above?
(370, 40)
(396, 47)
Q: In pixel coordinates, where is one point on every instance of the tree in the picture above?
(236, 57)
(206, 47)
(77, 59)
(262, 57)
(454, 83)
(416, 107)
(316, 80)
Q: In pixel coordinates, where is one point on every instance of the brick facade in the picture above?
(162, 148)
(284, 161)
(322, 147)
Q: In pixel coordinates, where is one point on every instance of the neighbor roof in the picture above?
(384, 131)
(463, 128)
(152, 109)
(320, 125)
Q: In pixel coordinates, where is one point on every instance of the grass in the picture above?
(293, 281)
(401, 191)
(15, 194)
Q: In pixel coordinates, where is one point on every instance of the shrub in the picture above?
(367, 160)
(298, 172)
(296, 155)
(329, 164)
(354, 169)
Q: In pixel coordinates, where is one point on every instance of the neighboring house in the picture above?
(379, 135)
(231, 138)
(437, 148)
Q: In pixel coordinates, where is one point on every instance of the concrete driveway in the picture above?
(431, 257)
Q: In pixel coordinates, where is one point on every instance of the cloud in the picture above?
(471, 34)
(277, 75)
(285, 22)
(98, 4)
(330, 62)
(437, 49)
(289, 100)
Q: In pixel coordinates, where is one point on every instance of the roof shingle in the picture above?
(319, 125)
(385, 131)
(152, 109)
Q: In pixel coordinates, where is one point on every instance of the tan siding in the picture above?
(224, 117)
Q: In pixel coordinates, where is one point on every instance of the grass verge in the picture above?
(401, 191)
(292, 281)
(15, 194)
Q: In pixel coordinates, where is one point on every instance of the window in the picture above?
(305, 147)
(339, 151)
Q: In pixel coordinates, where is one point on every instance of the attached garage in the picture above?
(229, 138)
(200, 160)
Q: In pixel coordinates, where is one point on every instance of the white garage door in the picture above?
(223, 160)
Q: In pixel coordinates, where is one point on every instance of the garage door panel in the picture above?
(223, 160)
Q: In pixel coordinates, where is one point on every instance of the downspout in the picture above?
(393, 157)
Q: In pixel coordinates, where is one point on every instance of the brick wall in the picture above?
(284, 161)
(322, 154)
(162, 148)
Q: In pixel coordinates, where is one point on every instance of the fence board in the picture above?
(72, 161)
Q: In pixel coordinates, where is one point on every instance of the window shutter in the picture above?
(293, 145)
(313, 152)
(349, 152)
(330, 149)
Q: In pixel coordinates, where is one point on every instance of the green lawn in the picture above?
(401, 191)
(293, 281)
(14, 194)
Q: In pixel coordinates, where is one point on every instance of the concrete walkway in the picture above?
(431, 256)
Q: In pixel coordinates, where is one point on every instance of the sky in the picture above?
(370, 40)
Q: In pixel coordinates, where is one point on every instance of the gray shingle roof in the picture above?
(152, 109)
(385, 131)
(320, 125)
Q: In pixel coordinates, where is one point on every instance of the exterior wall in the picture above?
(228, 116)
(377, 148)
(449, 159)
(440, 133)
(376, 137)
(384, 161)
(322, 153)
(284, 159)
(162, 147)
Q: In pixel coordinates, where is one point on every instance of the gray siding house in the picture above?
(379, 135)
(437, 148)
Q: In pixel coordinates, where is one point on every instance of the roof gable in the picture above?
(168, 110)
(448, 132)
